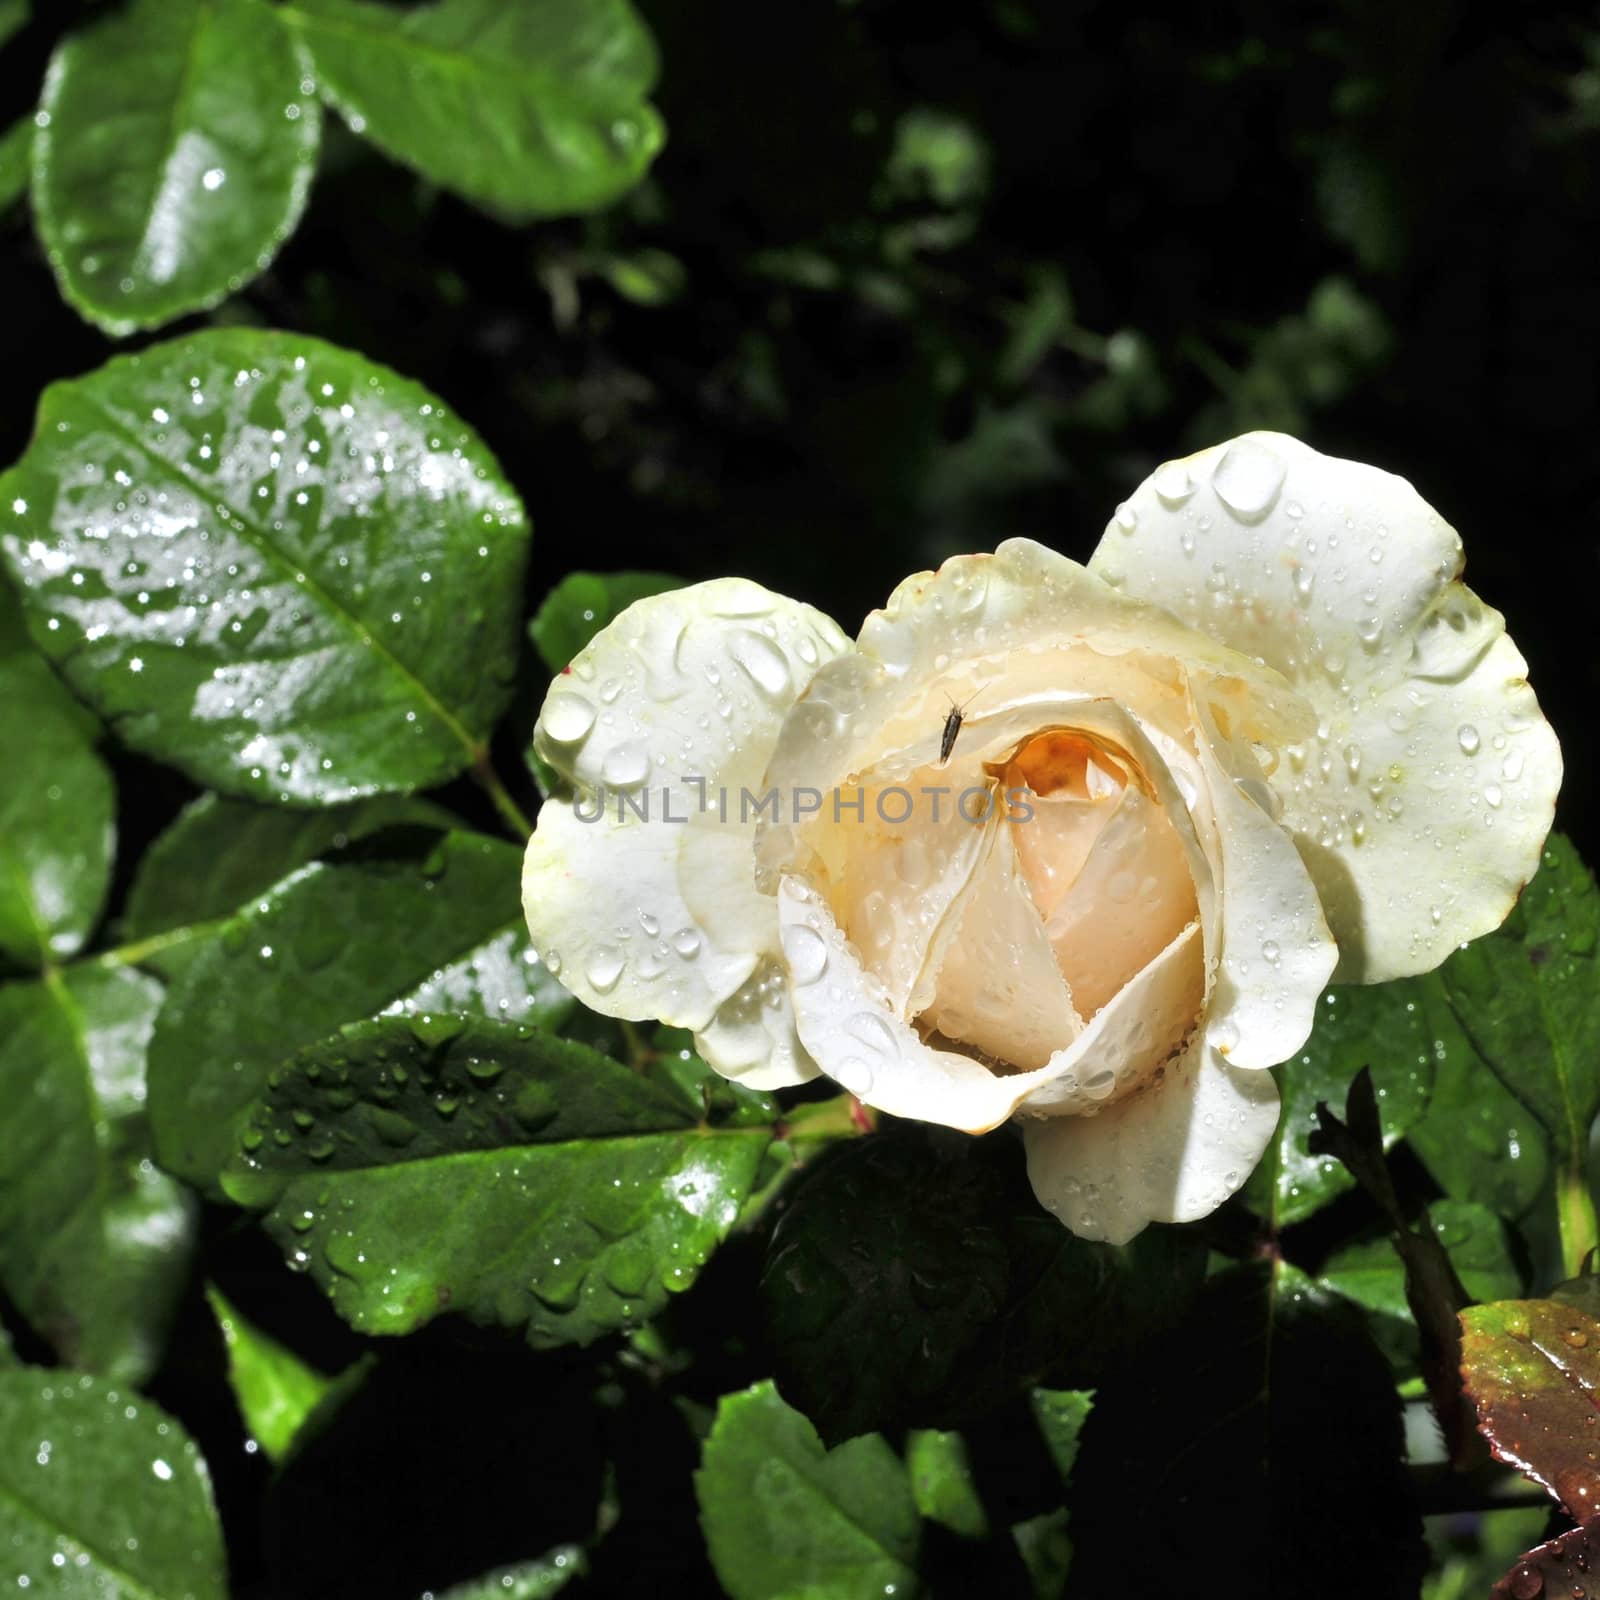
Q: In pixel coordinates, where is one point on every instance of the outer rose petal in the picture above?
(752, 1037)
(661, 918)
(594, 891)
(1277, 953)
(1432, 765)
(1170, 1153)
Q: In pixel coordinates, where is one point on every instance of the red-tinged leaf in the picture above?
(1532, 1371)
(1567, 1568)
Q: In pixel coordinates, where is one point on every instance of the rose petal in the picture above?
(1131, 899)
(1342, 578)
(606, 908)
(659, 916)
(1129, 1038)
(896, 888)
(999, 987)
(752, 1037)
(1170, 1153)
(850, 1029)
(694, 683)
(1276, 951)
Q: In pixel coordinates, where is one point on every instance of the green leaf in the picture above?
(424, 1164)
(532, 110)
(113, 1485)
(528, 1580)
(172, 158)
(16, 154)
(1371, 1274)
(282, 569)
(219, 853)
(1528, 997)
(585, 602)
(785, 1517)
(1383, 1026)
(94, 1242)
(941, 1482)
(57, 807)
(275, 1389)
(1044, 1542)
(1477, 1142)
(320, 950)
(1061, 1414)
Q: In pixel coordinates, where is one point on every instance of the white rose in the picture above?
(1270, 741)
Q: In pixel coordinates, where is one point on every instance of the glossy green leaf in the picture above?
(172, 158)
(941, 1482)
(535, 109)
(419, 1165)
(1477, 1142)
(102, 1494)
(16, 156)
(281, 568)
(785, 1517)
(1371, 1274)
(527, 1580)
(275, 1389)
(318, 951)
(57, 807)
(94, 1241)
(219, 853)
(1384, 1027)
(585, 602)
(1529, 999)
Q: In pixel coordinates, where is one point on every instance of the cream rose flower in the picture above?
(1080, 845)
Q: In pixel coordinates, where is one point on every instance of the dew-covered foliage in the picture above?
(362, 360)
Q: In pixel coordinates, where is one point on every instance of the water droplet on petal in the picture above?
(566, 717)
(604, 968)
(807, 954)
(626, 764)
(1248, 479)
(1173, 485)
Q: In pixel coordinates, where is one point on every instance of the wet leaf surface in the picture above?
(318, 951)
(57, 807)
(431, 1164)
(1529, 999)
(95, 1242)
(537, 109)
(174, 152)
(219, 853)
(785, 1516)
(1564, 1568)
(230, 547)
(101, 1492)
(1532, 1370)
(1385, 1028)
(1372, 1274)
